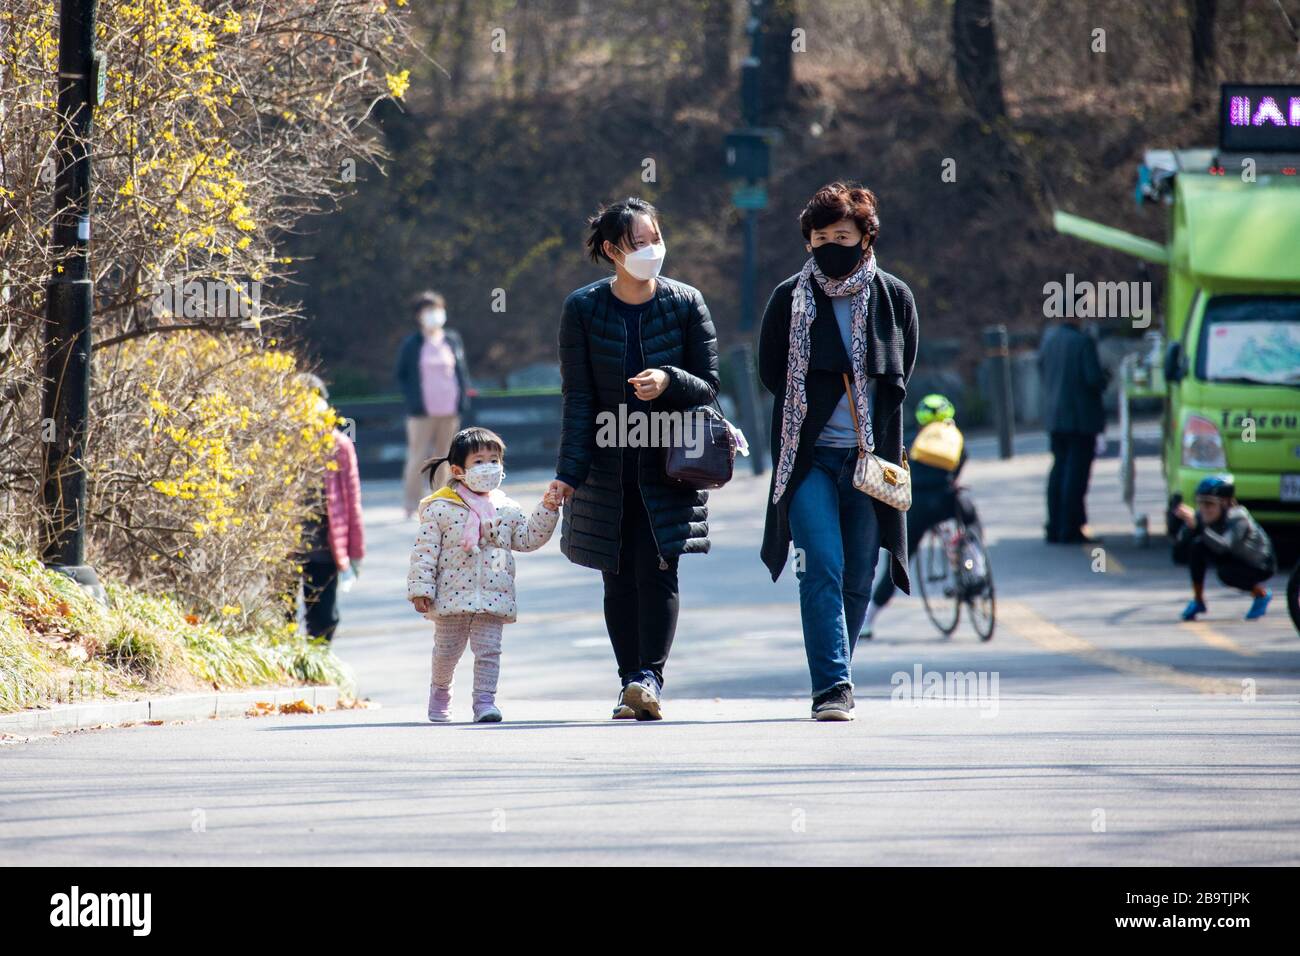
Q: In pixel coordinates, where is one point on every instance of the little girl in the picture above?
(462, 572)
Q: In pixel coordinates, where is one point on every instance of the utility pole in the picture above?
(747, 162)
(65, 398)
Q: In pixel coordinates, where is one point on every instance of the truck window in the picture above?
(1253, 339)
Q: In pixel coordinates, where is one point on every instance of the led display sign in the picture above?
(1259, 118)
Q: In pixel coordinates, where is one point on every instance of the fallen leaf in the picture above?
(351, 703)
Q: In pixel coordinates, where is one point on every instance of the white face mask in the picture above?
(483, 478)
(431, 319)
(645, 263)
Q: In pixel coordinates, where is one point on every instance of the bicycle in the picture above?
(952, 568)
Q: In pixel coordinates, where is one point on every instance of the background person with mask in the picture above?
(435, 385)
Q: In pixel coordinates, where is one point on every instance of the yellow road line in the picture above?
(1212, 637)
(1038, 630)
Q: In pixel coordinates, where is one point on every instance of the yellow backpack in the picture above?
(939, 445)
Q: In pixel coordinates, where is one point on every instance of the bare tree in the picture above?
(1203, 65)
(975, 56)
(715, 58)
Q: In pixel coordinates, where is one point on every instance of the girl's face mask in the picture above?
(484, 477)
(431, 319)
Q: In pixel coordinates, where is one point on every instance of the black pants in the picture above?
(641, 599)
(1233, 572)
(320, 593)
(1067, 485)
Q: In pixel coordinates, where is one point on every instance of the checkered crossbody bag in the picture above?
(872, 475)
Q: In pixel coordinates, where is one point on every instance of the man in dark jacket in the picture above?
(1073, 382)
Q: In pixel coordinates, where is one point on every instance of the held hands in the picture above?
(557, 493)
(649, 383)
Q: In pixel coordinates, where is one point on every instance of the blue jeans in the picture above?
(837, 541)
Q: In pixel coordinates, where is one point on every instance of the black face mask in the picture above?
(837, 261)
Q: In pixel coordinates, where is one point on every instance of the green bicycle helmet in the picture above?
(934, 408)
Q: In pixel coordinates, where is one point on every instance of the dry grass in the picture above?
(57, 645)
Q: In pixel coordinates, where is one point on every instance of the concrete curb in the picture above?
(169, 707)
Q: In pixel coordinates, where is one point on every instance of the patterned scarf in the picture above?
(803, 309)
(481, 511)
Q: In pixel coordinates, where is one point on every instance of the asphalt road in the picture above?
(1106, 732)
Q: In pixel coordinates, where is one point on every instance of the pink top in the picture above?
(438, 377)
(343, 505)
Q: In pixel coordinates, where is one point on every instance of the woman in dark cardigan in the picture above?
(647, 342)
(839, 315)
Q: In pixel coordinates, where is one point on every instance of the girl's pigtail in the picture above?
(431, 466)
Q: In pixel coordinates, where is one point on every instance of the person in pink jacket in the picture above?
(333, 540)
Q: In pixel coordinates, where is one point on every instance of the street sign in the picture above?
(747, 154)
(749, 196)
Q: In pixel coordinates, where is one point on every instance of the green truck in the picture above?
(1230, 369)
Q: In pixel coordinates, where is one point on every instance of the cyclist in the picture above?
(1223, 533)
(935, 495)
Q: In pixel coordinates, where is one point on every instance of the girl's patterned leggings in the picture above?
(482, 632)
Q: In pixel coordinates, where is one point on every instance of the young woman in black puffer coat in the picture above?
(645, 341)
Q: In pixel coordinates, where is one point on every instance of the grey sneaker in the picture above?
(834, 704)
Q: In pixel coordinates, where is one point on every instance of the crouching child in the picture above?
(1221, 532)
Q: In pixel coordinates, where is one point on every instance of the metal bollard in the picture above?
(997, 348)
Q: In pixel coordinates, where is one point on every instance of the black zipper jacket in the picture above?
(677, 336)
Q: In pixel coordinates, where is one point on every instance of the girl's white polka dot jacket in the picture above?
(482, 580)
